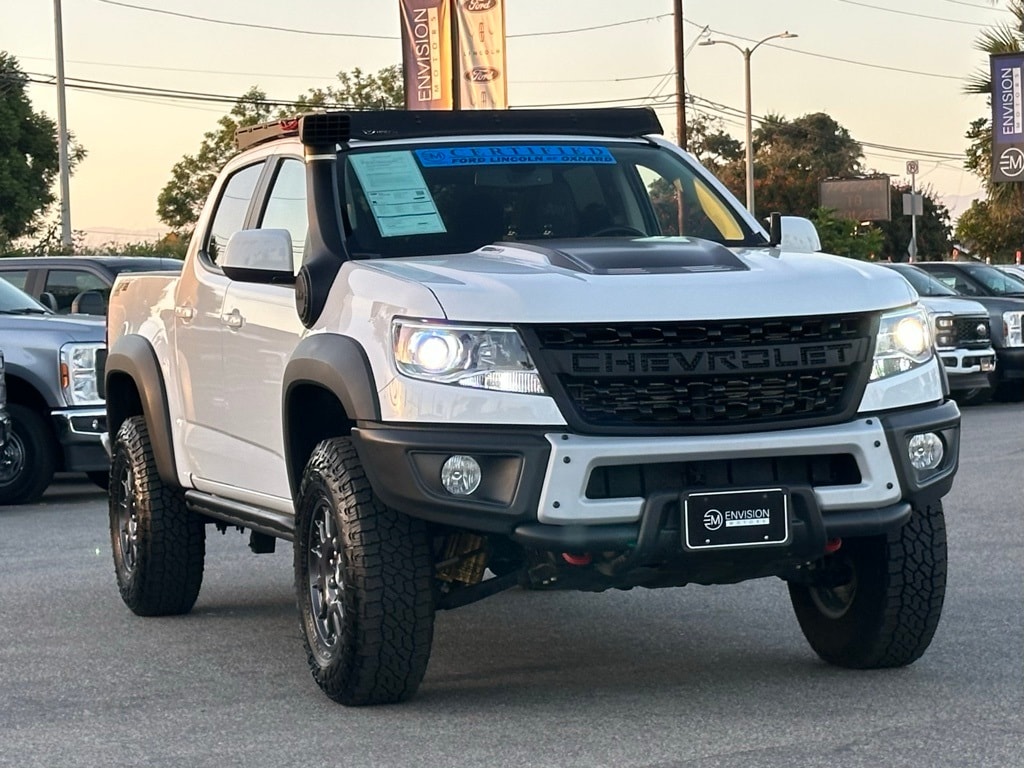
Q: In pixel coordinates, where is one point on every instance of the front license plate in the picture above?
(722, 519)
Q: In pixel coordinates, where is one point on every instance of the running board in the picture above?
(243, 515)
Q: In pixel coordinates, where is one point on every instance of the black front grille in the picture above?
(643, 480)
(689, 377)
(966, 334)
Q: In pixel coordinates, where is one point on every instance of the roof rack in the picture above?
(320, 128)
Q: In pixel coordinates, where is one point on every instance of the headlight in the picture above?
(78, 374)
(481, 357)
(904, 342)
(1012, 328)
(942, 326)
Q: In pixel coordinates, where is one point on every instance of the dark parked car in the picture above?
(1003, 295)
(76, 284)
(5, 420)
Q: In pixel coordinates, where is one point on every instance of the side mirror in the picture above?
(797, 234)
(259, 256)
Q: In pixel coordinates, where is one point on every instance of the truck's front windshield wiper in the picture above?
(24, 311)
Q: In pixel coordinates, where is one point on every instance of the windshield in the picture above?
(923, 283)
(14, 301)
(453, 198)
(995, 280)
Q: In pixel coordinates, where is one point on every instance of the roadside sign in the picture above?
(912, 167)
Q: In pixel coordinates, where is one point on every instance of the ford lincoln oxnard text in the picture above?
(589, 369)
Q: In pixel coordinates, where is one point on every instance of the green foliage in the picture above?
(710, 143)
(29, 157)
(991, 230)
(933, 227)
(845, 237)
(181, 200)
(790, 159)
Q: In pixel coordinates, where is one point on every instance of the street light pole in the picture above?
(747, 53)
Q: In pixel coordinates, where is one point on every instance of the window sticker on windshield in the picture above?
(398, 196)
(510, 154)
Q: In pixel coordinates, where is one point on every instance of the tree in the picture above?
(181, 200)
(29, 157)
(791, 158)
(846, 237)
(711, 145)
(933, 227)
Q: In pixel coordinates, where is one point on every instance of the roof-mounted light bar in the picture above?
(331, 128)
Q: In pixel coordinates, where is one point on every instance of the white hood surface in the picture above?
(650, 279)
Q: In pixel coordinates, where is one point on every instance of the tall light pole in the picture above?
(747, 53)
(62, 133)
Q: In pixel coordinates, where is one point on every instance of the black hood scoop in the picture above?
(616, 256)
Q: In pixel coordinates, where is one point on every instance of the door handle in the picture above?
(184, 312)
(233, 319)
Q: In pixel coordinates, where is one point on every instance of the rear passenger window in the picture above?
(232, 207)
(67, 285)
(16, 277)
(286, 206)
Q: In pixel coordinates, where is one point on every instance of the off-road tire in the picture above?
(29, 459)
(158, 545)
(887, 614)
(364, 582)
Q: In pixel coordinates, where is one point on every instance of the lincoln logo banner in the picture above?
(1007, 117)
(427, 53)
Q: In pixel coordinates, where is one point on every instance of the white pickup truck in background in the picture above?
(445, 354)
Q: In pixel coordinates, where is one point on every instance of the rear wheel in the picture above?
(28, 459)
(158, 545)
(364, 581)
(878, 600)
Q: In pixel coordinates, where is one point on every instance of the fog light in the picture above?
(925, 451)
(460, 475)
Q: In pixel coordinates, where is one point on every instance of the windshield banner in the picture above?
(1007, 117)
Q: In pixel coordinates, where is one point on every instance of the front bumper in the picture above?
(555, 490)
(1010, 364)
(79, 431)
(968, 368)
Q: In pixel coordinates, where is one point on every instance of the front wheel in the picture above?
(878, 600)
(28, 458)
(159, 545)
(364, 581)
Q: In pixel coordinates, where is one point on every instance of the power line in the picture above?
(319, 33)
(916, 15)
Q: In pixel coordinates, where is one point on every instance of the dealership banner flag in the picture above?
(480, 58)
(427, 53)
(1007, 117)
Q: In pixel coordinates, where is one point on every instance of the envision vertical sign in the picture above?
(1007, 117)
(480, 54)
(427, 53)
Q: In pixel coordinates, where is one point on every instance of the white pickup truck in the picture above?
(444, 354)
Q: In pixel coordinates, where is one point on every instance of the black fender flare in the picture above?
(337, 364)
(134, 357)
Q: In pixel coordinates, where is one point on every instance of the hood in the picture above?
(74, 327)
(952, 305)
(645, 279)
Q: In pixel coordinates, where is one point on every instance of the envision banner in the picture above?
(480, 56)
(1007, 117)
(427, 53)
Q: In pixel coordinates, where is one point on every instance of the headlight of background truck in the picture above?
(480, 357)
(904, 342)
(1012, 328)
(78, 374)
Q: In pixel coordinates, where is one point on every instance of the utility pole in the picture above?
(680, 77)
(62, 131)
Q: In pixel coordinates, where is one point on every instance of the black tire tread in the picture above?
(900, 605)
(389, 585)
(172, 541)
(40, 456)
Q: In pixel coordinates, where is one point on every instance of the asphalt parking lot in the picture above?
(698, 676)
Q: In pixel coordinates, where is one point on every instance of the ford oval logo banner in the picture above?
(480, 58)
